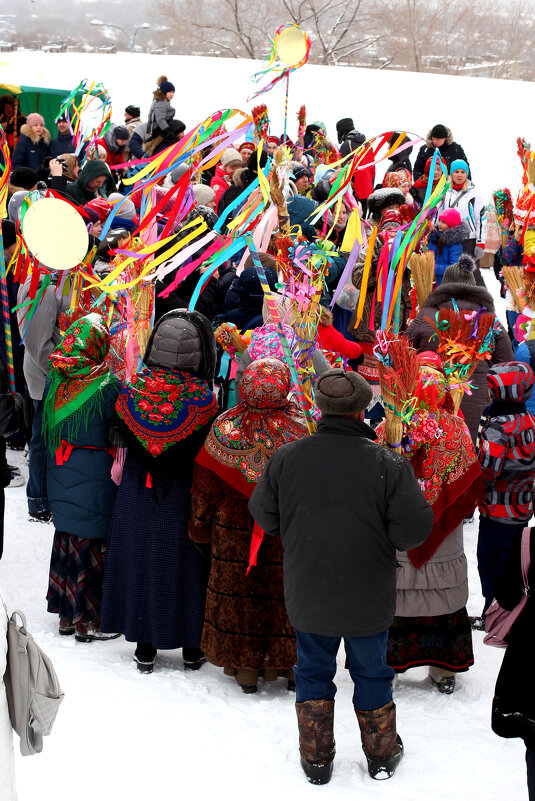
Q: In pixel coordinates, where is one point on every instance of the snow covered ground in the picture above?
(486, 116)
(123, 735)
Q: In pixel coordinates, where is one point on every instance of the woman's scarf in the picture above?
(162, 407)
(449, 475)
(78, 379)
(243, 439)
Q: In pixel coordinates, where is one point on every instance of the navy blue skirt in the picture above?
(154, 580)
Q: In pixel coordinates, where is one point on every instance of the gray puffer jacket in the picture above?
(183, 340)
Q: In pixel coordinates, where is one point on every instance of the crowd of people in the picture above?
(266, 531)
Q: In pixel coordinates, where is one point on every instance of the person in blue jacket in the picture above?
(446, 241)
(34, 143)
(80, 398)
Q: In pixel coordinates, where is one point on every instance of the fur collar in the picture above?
(452, 236)
(449, 138)
(28, 131)
(474, 295)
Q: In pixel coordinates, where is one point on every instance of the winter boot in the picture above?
(65, 626)
(381, 744)
(315, 721)
(144, 657)
(444, 680)
(193, 658)
(90, 632)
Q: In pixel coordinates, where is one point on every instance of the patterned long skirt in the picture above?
(75, 578)
(444, 641)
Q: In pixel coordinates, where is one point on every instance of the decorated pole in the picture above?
(4, 178)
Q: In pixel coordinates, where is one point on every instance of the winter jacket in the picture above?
(41, 336)
(447, 247)
(513, 707)
(80, 490)
(300, 209)
(241, 179)
(469, 204)
(220, 183)
(245, 298)
(450, 151)
(78, 191)
(438, 587)
(160, 113)
(114, 153)
(63, 143)
(7, 760)
(31, 150)
(137, 140)
(364, 179)
(423, 337)
(132, 124)
(342, 505)
(507, 447)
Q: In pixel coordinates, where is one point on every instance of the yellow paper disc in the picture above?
(291, 46)
(55, 234)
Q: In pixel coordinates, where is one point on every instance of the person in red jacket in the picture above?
(231, 160)
(114, 143)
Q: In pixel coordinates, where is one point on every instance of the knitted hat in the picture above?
(203, 194)
(343, 127)
(342, 394)
(92, 214)
(126, 208)
(133, 111)
(121, 132)
(178, 172)
(451, 217)
(246, 146)
(439, 132)
(274, 140)
(9, 233)
(23, 177)
(231, 155)
(462, 272)
(459, 164)
(298, 171)
(167, 86)
(34, 118)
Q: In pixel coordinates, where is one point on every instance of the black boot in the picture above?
(380, 742)
(315, 721)
(144, 657)
(194, 658)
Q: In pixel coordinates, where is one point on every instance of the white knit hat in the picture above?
(230, 155)
(203, 194)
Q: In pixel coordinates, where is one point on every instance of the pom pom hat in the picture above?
(462, 272)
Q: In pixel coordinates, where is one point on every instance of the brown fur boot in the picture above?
(315, 720)
(380, 742)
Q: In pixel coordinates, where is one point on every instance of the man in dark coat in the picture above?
(442, 138)
(350, 139)
(342, 505)
(63, 143)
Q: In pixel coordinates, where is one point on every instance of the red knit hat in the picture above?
(274, 140)
(246, 146)
(451, 217)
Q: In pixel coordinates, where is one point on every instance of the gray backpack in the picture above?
(32, 687)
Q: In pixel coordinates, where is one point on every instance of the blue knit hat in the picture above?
(167, 86)
(459, 164)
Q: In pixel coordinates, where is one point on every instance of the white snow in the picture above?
(122, 735)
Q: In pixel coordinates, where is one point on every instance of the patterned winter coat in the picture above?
(507, 446)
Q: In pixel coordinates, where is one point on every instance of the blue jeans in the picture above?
(493, 545)
(36, 491)
(366, 661)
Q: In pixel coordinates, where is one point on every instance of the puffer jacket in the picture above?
(31, 150)
(422, 337)
(469, 203)
(507, 445)
(80, 489)
(7, 761)
(448, 251)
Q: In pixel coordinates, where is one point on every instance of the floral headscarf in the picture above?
(78, 378)
(243, 439)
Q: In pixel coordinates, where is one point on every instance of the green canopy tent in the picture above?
(45, 101)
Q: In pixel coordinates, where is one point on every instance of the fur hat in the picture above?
(462, 272)
(203, 194)
(34, 118)
(381, 198)
(342, 394)
(451, 217)
(439, 132)
(132, 111)
(343, 127)
(23, 177)
(231, 155)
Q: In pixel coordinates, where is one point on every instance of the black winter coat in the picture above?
(342, 505)
(422, 337)
(450, 151)
(513, 707)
